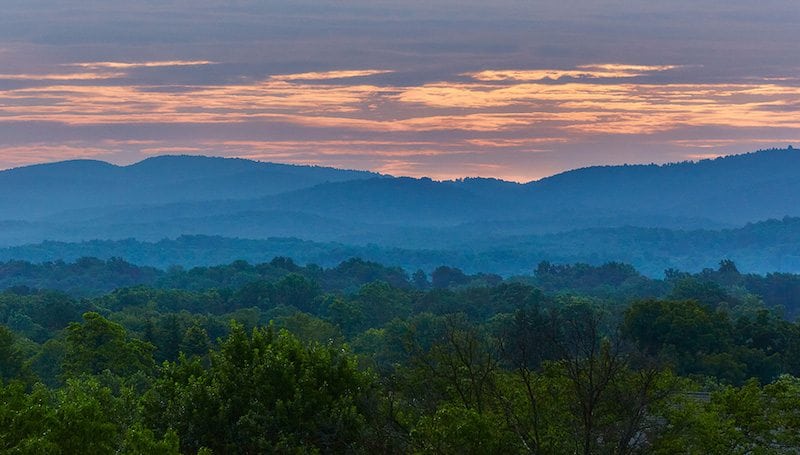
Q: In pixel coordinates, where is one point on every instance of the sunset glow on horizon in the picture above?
(518, 115)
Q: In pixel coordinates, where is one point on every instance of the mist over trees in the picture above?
(763, 247)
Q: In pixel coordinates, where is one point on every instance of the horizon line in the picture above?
(708, 157)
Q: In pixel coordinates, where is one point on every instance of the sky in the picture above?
(514, 89)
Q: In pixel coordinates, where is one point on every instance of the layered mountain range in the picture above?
(590, 214)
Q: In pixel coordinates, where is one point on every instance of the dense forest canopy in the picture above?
(105, 356)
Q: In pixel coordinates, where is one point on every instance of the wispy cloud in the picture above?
(703, 156)
(719, 143)
(171, 150)
(328, 75)
(61, 76)
(97, 70)
(605, 70)
(131, 65)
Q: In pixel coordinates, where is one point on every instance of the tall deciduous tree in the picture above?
(97, 344)
(264, 392)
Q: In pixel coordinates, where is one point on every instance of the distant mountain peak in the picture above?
(208, 160)
(57, 165)
(45, 189)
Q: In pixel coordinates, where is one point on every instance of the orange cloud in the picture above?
(515, 143)
(605, 70)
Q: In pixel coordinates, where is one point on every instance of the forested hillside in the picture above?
(363, 357)
(733, 189)
(167, 197)
(36, 192)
